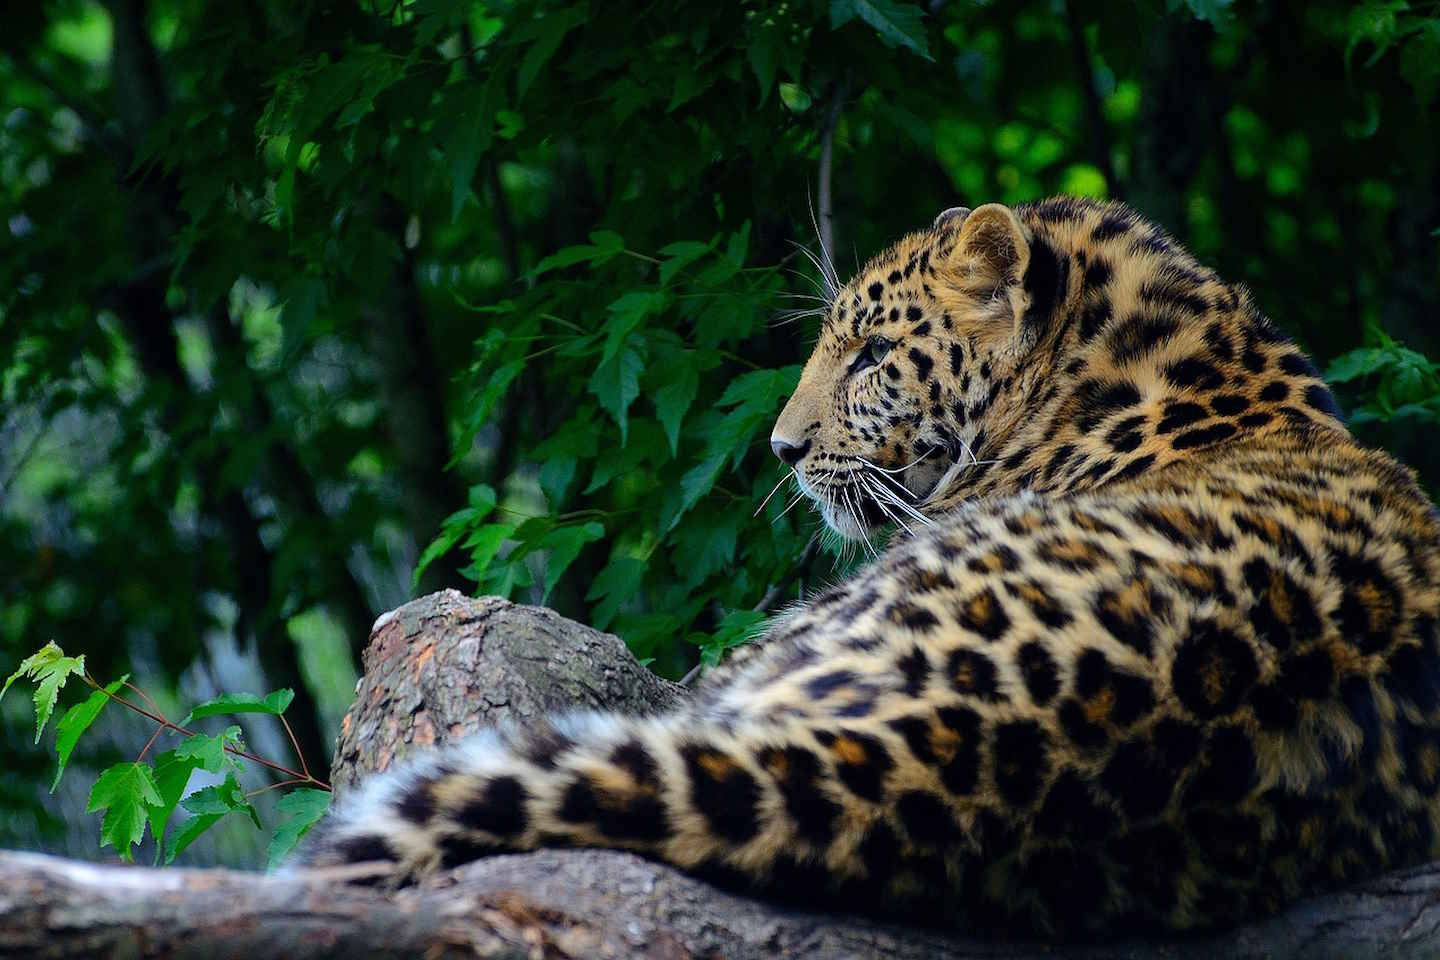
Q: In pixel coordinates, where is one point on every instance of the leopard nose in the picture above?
(789, 453)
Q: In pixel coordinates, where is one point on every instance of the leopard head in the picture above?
(921, 363)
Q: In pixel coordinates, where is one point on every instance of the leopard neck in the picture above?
(1137, 357)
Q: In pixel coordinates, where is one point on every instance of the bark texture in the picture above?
(441, 667)
(444, 666)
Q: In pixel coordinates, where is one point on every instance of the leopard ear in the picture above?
(950, 218)
(994, 240)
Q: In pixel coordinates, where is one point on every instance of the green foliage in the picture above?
(124, 792)
(49, 668)
(1397, 382)
(897, 24)
(227, 704)
(75, 722)
(137, 796)
(303, 808)
(290, 292)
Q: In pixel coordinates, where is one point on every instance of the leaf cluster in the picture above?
(140, 795)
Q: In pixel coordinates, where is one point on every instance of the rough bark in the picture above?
(442, 666)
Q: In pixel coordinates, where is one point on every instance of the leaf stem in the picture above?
(166, 724)
(149, 743)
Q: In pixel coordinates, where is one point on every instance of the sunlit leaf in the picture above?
(76, 721)
(49, 668)
(124, 792)
(273, 703)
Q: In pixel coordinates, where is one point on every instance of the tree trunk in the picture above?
(442, 666)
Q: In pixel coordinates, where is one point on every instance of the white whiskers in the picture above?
(789, 475)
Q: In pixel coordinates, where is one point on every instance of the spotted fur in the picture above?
(1156, 646)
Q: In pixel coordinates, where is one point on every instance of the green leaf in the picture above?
(608, 242)
(483, 543)
(273, 703)
(172, 776)
(679, 256)
(223, 798)
(706, 542)
(1214, 12)
(449, 535)
(625, 314)
(603, 245)
(674, 399)
(686, 85)
(496, 388)
(1355, 364)
(76, 721)
(208, 752)
(564, 544)
(617, 583)
(736, 628)
(765, 53)
(555, 477)
(49, 668)
(124, 792)
(550, 30)
(191, 832)
(616, 383)
(466, 132)
(646, 445)
(699, 480)
(738, 247)
(455, 526)
(302, 809)
(1376, 23)
(1420, 63)
(755, 397)
(795, 97)
(897, 24)
(209, 805)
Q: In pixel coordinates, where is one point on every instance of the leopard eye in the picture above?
(874, 352)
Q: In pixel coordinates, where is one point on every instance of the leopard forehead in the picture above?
(893, 289)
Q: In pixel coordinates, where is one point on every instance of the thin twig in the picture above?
(149, 743)
(31, 446)
(827, 163)
(774, 593)
(277, 785)
(171, 725)
(145, 696)
(295, 744)
(771, 596)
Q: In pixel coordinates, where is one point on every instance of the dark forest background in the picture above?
(298, 299)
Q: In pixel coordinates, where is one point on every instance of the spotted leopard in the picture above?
(1155, 643)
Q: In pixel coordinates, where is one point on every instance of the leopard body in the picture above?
(1154, 644)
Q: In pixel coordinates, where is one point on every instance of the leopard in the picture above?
(1150, 643)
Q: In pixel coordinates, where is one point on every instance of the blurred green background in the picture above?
(299, 298)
